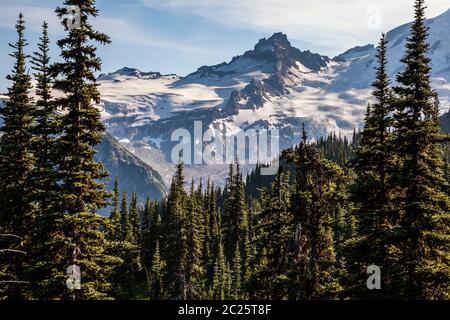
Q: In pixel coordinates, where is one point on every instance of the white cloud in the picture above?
(120, 30)
(33, 15)
(334, 24)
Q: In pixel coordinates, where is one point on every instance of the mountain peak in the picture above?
(134, 73)
(356, 52)
(277, 40)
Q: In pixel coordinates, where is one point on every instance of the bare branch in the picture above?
(13, 251)
(14, 282)
(10, 236)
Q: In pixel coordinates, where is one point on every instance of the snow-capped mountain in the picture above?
(272, 86)
(135, 176)
(359, 62)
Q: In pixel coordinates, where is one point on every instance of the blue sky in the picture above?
(178, 36)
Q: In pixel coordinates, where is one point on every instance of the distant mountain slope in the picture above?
(361, 61)
(263, 88)
(445, 122)
(134, 175)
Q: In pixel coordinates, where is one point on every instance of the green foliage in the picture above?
(424, 204)
(16, 158)
(275, 234)
(373, 161)
(194, 266)
(220, 284)
(156, 287)
(316, 195)
(175, 238)
(76, 223)
(17, 211)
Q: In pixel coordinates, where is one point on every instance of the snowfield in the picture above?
(272, 86)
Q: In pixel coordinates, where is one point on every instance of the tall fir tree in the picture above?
(207, 249)
(156, 289)
(155, 227)
(126, 229)
(136, 230)
(148, 246)
(220, 277)
(235, 217)
(275, 234)
(194, 268)
(424, 227)
(16, 158)
(313, 266)
(44, 274)
(236, 275)
(175, 238)
(45, 132)
(115, 217)
(135, 219)
(372, 190)
(212, 231)
(229, 225)
(124, 276)
(81, 191)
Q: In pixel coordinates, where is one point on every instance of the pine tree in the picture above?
(43, 272)
(208, 246)
(80, 191)
(116, 232)
(313, 267)
(45, 132)
(220, 278)
(175, 239)
(135, 223)
(275, 230)
(148, 246)
(16, 159)
(156, 275)
(424, 226)
(236, 275)
(124, 277)
(242, 219)
(235, 217)
(135, 220)
(211, 232)
(372, 191)
(229, 215)
(194, 268)
(155, 228)
(126, 227)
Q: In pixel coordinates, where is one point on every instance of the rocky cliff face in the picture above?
(134, 175)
